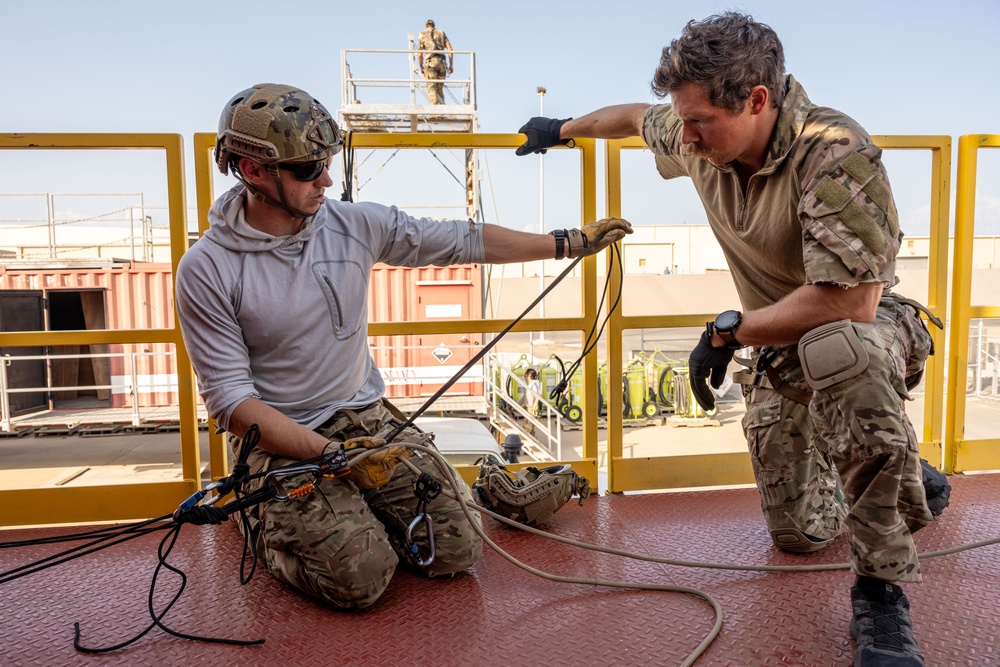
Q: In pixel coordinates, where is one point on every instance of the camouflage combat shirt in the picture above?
(819, 211)
(433, 40)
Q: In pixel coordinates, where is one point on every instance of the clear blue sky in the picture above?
(898, 67)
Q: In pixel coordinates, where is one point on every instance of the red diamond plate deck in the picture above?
(498, 614)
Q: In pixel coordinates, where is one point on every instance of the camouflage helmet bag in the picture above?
(272, 123)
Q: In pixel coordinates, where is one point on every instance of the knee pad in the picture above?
(797, 542)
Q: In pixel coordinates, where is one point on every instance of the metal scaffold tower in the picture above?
(402, 104)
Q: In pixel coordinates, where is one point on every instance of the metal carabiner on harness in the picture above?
(273, 478)
(412, 546)
(425, 488)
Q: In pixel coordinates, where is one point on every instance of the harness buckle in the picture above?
(764, 361)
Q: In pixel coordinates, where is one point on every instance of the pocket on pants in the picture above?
(765, 439)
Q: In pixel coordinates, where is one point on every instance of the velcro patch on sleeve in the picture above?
(857, 167)
(833, 194)
(840, 198)
(860, 169)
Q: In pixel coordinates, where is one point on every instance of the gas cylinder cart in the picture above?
(636, 396)
(660, 380)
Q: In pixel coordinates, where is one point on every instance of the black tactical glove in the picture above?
(543, 133)
(707, 362)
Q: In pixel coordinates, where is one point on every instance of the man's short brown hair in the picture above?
(728, 54)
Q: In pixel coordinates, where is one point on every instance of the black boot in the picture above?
(881, 626)
(936, 488)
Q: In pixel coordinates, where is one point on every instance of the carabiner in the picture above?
(196, 497)
(279, 490)
(412, 546)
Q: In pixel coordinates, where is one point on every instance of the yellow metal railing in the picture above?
(587, 148)
(630, 473)
(120, 501)
(960, 454)
(128, 501)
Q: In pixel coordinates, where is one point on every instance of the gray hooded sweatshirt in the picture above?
(285, 319)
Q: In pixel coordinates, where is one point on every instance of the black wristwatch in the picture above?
(560, 235)
(726, 325)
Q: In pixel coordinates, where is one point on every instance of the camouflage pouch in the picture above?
(914, 331)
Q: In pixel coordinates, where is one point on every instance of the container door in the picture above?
(439, 356)
(24, 310)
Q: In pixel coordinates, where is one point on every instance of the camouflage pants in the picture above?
(849, 459)
(435, 67)
(340, 543)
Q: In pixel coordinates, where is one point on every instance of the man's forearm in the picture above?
(279, 434)
(806, 308)
(614, 122)
(504, 245)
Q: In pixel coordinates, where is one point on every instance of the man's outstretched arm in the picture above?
(614, 122)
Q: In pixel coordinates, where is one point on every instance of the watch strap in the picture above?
(729, 338)
(560, 236)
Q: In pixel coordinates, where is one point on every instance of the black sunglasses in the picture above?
(305, 172)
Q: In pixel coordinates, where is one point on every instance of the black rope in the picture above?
(166, 546)
(592, 341)
(348, 156)
(426, 488)
(489, 346)
(447, 169)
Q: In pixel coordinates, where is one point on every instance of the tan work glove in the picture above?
(614, 229)
(376, 469)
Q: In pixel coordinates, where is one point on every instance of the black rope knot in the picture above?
(227, 484)
(201, 515)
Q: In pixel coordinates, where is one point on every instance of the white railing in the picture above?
(413, 82)
(132, 388)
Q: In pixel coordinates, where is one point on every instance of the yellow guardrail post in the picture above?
(961, 454)
(204, 168)
(931, 436)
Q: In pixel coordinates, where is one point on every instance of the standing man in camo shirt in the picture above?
(432, 65)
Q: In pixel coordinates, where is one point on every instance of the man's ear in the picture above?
(760, 98)
(254, 172)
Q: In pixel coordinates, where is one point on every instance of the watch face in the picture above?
(728, 320)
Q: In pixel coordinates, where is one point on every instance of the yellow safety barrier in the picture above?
(587, 467)
(628, 473)
(942, 436)
(124, 501)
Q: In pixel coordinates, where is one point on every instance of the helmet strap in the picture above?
(267, 199)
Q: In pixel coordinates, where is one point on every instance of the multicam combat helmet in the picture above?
(275, 124)
(271, 123)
